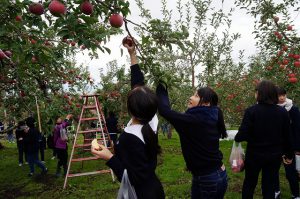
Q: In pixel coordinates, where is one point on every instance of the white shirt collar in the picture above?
(136, 129)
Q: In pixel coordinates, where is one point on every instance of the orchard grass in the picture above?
(14, 182)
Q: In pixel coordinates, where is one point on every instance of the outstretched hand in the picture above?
(130, 45)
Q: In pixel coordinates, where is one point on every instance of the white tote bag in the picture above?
(126, 190)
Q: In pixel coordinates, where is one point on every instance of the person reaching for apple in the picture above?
(137, 148)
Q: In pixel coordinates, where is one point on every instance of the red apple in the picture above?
(47, 43)
(78, 105)
(127, 40)
(296, 56)
(279, 36)
(285, 48)
(276, 19)
(22, 93)
(289, 27)
(297, 64)
(116, 20)
(293, 80)
(66, 96)
(269, 68)
(32, 41)
(276, 33)
(18, 18)
(36, 8)
(280, 53)
(285, 62)
(86, 7)
(282, 66)
(291, 75)
(82, 47)
(57, 8)
(8, 53)
(33, 59)
(291, 55)
(2, 55)
(73, 43)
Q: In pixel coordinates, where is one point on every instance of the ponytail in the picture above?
(151, 141)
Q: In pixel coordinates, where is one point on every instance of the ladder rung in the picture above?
(85, 159)
(85, 145)
(88, 173)
(88, 139)
(90, 107)
(90, 131)
(89, 118)
(91, 95)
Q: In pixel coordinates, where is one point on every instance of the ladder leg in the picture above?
(74, 143)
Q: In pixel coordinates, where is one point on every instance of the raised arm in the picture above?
(172, 116)
(137, 77)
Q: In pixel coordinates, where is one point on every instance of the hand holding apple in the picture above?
(102, 153)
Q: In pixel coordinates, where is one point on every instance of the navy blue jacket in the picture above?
(198, 129)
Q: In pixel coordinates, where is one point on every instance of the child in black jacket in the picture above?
(137, 148)
(265, 126)
(199, 129)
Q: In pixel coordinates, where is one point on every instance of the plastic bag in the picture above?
(297, 159)
(63, 134)
(126, 191)
(237, 158)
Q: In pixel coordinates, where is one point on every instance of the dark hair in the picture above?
(214, 100)
(30, 122)
(281, 91)
(21, 123)
(207, 95)
(111, 114)
(142, 103)
(266, 92)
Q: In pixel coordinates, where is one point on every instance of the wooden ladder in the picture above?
(101, 134)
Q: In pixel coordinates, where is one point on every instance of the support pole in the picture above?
(38, 113)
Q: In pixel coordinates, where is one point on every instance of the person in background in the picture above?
(10, 132)
(266, 129)
(61, 145)
(20, 134)
(290, 169)
(31, 143)
(1, 127)
(112, 126)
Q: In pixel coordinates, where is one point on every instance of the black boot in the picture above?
(58, 174)
(65, 169)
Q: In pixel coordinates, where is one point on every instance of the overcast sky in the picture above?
(241, 23)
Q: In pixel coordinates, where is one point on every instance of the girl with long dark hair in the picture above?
(199, 129)
(137, 148)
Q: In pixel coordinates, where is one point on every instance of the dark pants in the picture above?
(54, 153)
(292, 177)
(33, 158)
(269, 164)
(62, 155)
(211, 186)
(21, 152)
(42, 153)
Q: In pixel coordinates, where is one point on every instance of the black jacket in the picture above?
(199, 133)
(130, 154)
(295, 127)
(112, 124)
(31, 140)
(266, 128)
